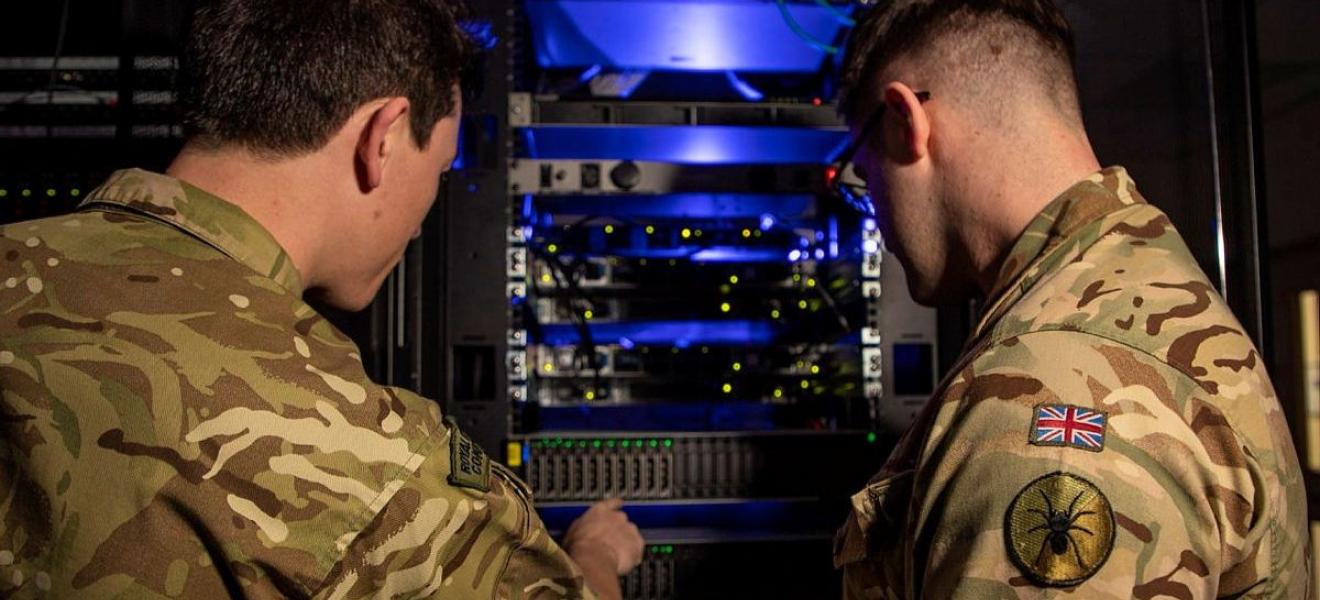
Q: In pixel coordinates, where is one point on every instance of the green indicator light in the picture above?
(50, 192)
(609, 229)
(654, 443)
(27, 193)
(802, 304)
(650, 229)
(625, 443)
(737, 366)
(805, 384)
(669, 443)
(609, 444)
(870, 438)
(4, 193)
(595, 444)
(552, 248)
(774, 314)
(797, 277)
(75, 192)
(582, 444)
(733, 279)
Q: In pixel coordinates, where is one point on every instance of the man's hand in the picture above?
(604, 544)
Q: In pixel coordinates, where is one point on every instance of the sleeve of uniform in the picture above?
(459, 526)
(1077, 466)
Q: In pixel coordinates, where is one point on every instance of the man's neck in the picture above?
(275, 193)
(1013, 196)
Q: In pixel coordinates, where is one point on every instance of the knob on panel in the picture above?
(626, 175)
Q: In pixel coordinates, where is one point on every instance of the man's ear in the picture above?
(907, 124)
(376, 144)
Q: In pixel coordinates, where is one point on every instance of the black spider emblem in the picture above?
(1060, 526)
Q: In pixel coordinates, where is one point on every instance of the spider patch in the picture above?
(1060, 530)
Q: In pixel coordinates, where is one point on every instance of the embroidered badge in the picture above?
(1072, 426)
(468, 465)
(1059, 530)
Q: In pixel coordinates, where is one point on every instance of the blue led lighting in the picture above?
(733, 254)
(679, 35)
(767, 222)
(743, 88)
(683, 206)
(664, 333)
(685, 416)
(769, 516)
(706, 145)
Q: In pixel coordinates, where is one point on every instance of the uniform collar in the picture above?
(204, 216)
(1057, 233)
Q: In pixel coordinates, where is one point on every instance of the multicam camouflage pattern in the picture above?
(1099, 305)
(177, 423)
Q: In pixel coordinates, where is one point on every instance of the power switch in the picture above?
(590, 176)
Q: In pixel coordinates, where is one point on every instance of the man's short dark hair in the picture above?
(970, 36)
(280, 77)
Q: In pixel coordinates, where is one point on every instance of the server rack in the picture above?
(672, 308)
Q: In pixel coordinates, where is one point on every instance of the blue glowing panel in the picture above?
(682, 206)
(708, 145)
(679, 334)
(680, 35)
(695, 416)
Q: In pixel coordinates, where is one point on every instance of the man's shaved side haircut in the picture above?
(991, 51)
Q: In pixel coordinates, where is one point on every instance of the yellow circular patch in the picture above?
(1060, 530)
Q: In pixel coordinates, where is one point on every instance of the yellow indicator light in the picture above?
(802, 304)
(737, 366)
(815, 369)
(546, 278)
(733, 279)
(747, 233)
(774, 314)
(811, 283)
(552, 248)
(726, 307)
(548, 367)
(609, 229)
(686, 233)
(514, 451)
(588, 315)
(805, 384)
(797, 277)
(728, 388)
(590, 395)
(779, 392)
(650, 229)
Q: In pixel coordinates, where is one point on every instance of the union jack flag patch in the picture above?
(1072, 426)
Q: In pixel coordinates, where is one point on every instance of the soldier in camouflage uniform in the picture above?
(1109, 430)
(178, 423)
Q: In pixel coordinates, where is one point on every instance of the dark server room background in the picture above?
(637, 282)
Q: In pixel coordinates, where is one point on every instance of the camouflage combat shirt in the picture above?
(1110, 432)
(178, 423)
